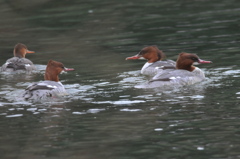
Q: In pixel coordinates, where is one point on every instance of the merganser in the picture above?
(51, 87)
(154, 63)
(185, 73)
(19, 62)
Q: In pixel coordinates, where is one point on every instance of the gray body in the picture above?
(43, 90)
(16, 63)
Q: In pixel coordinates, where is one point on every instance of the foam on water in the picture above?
(130, 110)
(106, 92)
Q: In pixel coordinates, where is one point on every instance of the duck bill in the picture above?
(30, 52)
(68, 69)
(134, 57)
(202, 61)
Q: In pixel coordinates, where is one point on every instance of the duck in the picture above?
(51, 87)
(19, 62)
(184, 74)
(154, 64)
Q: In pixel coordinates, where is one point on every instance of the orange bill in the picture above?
(29, 52)
(133, 57)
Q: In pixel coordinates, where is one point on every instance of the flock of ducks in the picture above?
(169, 73)
(162, 73)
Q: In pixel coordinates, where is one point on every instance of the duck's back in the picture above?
(151, 69)
(44, 89)
(175, 78)
(16, 63)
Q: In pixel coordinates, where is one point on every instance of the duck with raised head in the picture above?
(154, 63)
(51, 86)
(184, 74)
(19, 62)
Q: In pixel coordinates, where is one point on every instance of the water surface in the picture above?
(105, 116)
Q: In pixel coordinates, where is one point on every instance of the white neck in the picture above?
(198, 72)
(145, 66)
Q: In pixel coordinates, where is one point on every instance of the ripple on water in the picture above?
(127, 80)
(198, 97)
(14, 115)
(79, 113)
(106, 89)
(158, 129)
(130, 110)
(89, 111)
(120, 102)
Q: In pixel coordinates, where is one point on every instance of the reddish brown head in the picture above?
(53, 69)
(20, 50)
(185, 61)
(150, 53)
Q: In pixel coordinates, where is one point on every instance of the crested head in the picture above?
(152, 54)
(20, 50)
(191, 58)
(186, 60)
(55, 63)
(54, 68)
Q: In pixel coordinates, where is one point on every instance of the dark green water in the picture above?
(105, 117)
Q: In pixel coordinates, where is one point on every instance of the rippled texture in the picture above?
(105, 116)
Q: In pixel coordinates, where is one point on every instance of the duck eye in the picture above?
(194, 58)
(142, 52)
